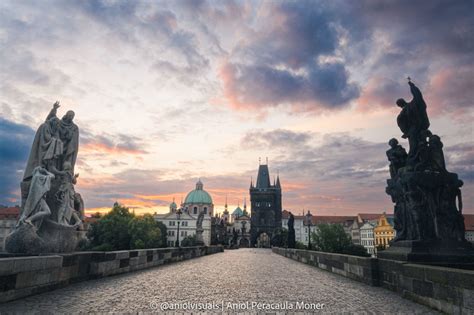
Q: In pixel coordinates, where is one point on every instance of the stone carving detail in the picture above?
(291, 231)
(51, 210)
(427, 198)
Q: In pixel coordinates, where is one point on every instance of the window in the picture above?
(184, 223)
(195, 210)
(171, 223)
(205, 210)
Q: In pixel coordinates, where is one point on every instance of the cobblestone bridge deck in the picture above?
(238, 276)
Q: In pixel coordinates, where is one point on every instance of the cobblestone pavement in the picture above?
(236, 276)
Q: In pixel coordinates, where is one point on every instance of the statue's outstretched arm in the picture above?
(415, 91)
(53, 111)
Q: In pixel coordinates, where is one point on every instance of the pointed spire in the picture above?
(278, 185)
(245, 203)
(251, 182)
(225, 202)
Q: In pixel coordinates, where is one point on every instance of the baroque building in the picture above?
(196, 201)
(384, 231)
(266, 208)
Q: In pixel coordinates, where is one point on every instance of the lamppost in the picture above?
(309, 223)
(178, 216)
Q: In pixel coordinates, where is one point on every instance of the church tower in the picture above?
(265, 202)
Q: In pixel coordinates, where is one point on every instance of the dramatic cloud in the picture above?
(15, 144)
(166, 92)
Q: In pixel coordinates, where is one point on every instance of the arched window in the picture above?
(205, 210)
(195, 210)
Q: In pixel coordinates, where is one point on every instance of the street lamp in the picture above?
(178, 216)
(309, 223)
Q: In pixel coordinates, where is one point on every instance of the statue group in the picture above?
(51, 210)
(427, 197)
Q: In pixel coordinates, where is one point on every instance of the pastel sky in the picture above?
(166, 92)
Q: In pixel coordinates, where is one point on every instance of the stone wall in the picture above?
(445, 289)
(24, 276)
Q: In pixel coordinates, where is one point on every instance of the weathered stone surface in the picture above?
(51, 210)
(248, 278)
(35, 274)
(444, 289)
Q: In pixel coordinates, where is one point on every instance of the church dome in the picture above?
(238, 212)
(198, 195)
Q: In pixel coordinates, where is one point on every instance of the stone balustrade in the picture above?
(28, 275)
(450, 290)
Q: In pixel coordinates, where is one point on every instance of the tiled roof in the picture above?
(369, 216)
(9, 212)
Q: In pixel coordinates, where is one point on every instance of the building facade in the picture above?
(367, 238)
(384, 232)
(8, 219)
(469, 227)
(196, 201)
(266, 208)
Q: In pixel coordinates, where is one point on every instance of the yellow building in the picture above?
(384, 231)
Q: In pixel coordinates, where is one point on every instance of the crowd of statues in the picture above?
(428, 200)
(49, 201)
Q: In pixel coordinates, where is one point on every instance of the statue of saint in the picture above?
(291, 231)
(46, 149)
(67, 214)
(397, 157)
(413, 118)
(69, 135)
(36, 209)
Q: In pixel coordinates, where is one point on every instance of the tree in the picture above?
(144, 232)
(120, 229)
(164, 234)
(110, 232)
(333, 239)
(300, 245)
(189, 241)
(280, 238)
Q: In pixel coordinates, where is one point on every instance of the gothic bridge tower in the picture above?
(265, 202)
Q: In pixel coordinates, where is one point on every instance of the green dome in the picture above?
(198, 195)
(238, 212)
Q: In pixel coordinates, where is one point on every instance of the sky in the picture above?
(167, 92)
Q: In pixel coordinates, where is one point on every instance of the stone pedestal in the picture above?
(442, 252)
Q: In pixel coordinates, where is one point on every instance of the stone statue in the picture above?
(46, 148)
(428, 201)
(199, 229)
(51, 210)
(413, 118)
(291, 231)
(397, 157)
(69, 135)
(36, 209)
(67, 214)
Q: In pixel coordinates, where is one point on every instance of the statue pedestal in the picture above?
(442, 252)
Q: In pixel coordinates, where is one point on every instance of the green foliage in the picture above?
(300, 245)
(120, 230)
(164, 234)
(333, 239)
(280, 238)
(356, 250)
(144, 232)
(188, 241)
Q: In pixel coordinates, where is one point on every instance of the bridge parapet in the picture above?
(449, 290)
(29, 275)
